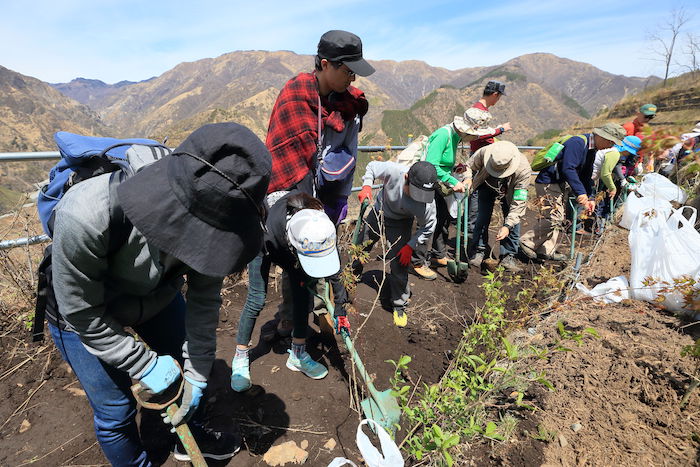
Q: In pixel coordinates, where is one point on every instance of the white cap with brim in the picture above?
(313, 236)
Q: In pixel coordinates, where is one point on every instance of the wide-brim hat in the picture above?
(501, 159)
(631, 144)
(612, 132)
(185, 207)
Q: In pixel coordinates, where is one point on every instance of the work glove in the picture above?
(365, 193)
(405, 255)
(163, 372)
(624, 183)
(191, 397)
(631, 179)
(342, 323)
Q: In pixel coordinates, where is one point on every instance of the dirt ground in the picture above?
(623, 388)
(617, 397)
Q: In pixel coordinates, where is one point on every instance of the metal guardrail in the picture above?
(52, 155)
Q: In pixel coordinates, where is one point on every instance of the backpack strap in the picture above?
(119, 226)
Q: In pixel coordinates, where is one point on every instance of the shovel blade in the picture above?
(383, 409)
(458, 271)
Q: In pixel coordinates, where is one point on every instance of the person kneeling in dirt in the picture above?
(300, 239)
(498, 171)
(407, 194)
(171, 232)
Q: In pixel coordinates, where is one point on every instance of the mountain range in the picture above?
(409, 97)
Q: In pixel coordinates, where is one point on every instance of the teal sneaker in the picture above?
(306, 365)
(240, 374)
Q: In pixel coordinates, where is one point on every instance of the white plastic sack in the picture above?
(390, 455)
(664, 250)
(635, 205)
(656, 185)
(613, 291)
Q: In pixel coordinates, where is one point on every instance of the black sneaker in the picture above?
(217, 445)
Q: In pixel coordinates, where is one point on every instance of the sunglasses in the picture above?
(349, 72)
(649, 117)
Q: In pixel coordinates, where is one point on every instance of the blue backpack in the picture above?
(84, 157)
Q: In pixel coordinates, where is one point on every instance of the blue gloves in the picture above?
(161, 374)
(191, 396)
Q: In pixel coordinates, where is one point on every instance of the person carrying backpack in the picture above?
(572, 166)
(300, 239)
(408, 193)
(313, 133)
(198, 215)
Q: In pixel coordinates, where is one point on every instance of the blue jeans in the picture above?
(258, 273)
(108, 389)
(480, 218)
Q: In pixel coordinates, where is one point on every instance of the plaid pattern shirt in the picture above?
(292, 133)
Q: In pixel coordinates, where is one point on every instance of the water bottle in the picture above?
(553, 152)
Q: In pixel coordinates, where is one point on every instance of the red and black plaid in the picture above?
(292, 132)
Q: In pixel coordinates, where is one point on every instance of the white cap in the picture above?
(312, 234)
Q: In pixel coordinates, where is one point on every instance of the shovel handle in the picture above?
(358, 363)
(358, 225)
(188, 441)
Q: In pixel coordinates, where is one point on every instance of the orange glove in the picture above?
(405, 255)
(365, 193)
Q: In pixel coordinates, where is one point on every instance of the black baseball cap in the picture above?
(495, 86)
(422, 178)
(345, 47)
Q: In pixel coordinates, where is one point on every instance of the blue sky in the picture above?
(115, 40)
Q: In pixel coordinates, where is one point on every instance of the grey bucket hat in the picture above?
(204, 204)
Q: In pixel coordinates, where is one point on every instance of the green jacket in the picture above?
(442, 150)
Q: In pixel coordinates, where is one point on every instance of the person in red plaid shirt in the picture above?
(292, 135)
(325, 102)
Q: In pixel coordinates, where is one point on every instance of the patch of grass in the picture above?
(510, 76)
(573, 104)
(420, 103)
(397, 124)
(546, 135)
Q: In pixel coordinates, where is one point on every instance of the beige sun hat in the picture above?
(474, 122)
(612, 132)
(501, 159)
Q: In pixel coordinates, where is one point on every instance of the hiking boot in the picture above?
(424, 272)
(477, 259)
(527, 251)
(556, 256)
(240, 374)
(400, 317)
(218, 445)
(306, 365)
(510, 264)
(439, 262)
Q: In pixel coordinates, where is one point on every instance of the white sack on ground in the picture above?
(655, 185)
(635, 205)
(613, 291)
(390, 456)
(664, 254)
